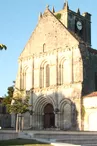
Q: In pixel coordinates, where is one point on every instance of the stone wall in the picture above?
(65, 79)
(69, 65)
(90, 117)
(8, 135)
(5, 120)
(89, 58)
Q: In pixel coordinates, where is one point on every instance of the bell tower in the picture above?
(76, 23)
(80, 25)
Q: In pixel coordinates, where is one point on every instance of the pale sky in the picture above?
(18, 20)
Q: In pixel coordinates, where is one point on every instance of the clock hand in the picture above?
(79, 25)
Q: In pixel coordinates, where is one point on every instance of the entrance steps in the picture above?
(76, 138)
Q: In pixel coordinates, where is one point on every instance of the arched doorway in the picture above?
(93, 121)
(49, 117)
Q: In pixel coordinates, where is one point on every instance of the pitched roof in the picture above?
(72, 33)
(93, 51)
(64, 26)
(91, 94)
(47, 11)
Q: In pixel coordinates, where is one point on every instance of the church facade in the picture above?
(57, 68)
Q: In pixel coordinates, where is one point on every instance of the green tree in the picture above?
(9, 96)
(18, 106)
(2, 47)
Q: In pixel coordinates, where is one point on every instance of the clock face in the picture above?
(79, 25)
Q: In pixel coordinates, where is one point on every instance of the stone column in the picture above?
(56, 122)
(42, 120)
(78, 108)
(31, 121)
(13, 120)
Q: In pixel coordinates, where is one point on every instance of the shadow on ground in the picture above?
(22, 142)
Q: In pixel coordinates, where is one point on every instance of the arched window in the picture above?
(28, 79)
(47, 75)
(44, 75)
(44, 47)
(65, 71)
(41, 77)
(61, 71)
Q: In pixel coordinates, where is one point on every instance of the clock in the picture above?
(79, 25)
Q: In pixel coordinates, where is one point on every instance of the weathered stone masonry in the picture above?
(57, 68)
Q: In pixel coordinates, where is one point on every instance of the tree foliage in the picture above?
(58, 16)
(8, 98)
(19, 105)
(16, 103)
(2, 46)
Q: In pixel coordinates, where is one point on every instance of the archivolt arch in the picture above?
(41, 102)
(61, 59)
(65, 70)
(23, 77)
(43, 62)
(27, 77)
(25, 68)
(61, 70)
(62, 104)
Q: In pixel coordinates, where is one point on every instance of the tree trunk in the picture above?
(17, 123)
(22, 122)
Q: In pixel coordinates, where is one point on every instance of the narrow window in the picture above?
(62, 69)
(44, 47)
(41, 77)
(47, 75)
(60, 74)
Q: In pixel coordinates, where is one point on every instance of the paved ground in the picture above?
(52, 141)
(63, 144)
(52, 131)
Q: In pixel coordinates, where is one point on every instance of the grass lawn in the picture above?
(22, 142)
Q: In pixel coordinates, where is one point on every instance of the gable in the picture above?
(49, 34)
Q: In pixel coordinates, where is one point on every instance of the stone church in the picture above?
(58, 68)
